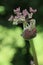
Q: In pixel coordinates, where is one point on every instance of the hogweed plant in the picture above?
(29, 23)
(24, 17)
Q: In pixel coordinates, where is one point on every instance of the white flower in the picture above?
(30, 15)
(15, 21)
(11, 18)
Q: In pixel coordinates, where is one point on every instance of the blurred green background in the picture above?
(12, 45)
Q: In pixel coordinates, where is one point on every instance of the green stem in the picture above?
(34, 53)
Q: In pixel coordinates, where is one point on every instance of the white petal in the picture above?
(11, 18)
(33, 23)
(30, 15)
(15, 21)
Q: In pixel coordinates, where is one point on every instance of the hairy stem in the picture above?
(34, 52)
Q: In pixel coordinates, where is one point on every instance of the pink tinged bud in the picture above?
(19, 14)
(16, 10)
(11, 18)
(32, 10)
(25, 13)
(29, 34)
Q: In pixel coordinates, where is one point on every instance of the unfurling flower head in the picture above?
(28, 22)
(29, 34)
